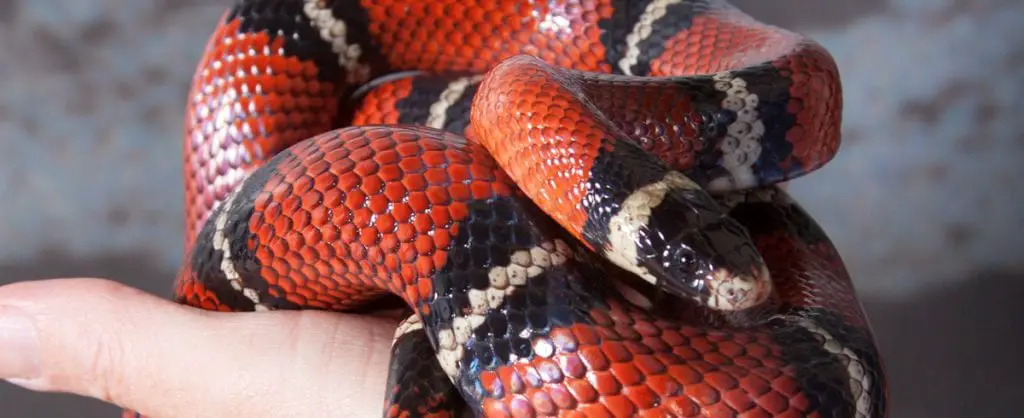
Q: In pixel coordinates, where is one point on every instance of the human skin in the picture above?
(101, 339)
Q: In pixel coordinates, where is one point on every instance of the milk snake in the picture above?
(576, 200)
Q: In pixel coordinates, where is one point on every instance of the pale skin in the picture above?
(101, 339)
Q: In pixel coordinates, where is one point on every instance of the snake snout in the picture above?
(731, 290)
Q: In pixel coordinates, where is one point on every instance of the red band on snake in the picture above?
(576, 201)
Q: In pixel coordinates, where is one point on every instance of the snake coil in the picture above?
(576, 200)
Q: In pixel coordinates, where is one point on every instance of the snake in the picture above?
(577, 206)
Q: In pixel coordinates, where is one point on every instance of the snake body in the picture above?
(576, 200)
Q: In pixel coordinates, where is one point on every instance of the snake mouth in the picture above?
(633, 292)
(732, 291)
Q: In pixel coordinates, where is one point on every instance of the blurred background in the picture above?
(920, 199)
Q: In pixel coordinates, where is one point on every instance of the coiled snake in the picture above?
(577, 201)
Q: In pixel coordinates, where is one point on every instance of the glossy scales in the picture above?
(254, 93)
(515, 312)
(608, 192)
(418, 387)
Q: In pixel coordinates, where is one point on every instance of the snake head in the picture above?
(674, 235)
(690, 247)
(721, 270)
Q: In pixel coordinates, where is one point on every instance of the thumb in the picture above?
(100, 339)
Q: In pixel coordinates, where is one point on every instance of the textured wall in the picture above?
(919, 200)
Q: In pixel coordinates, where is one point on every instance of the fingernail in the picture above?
(19, 345)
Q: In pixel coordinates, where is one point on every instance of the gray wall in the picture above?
(920, 199)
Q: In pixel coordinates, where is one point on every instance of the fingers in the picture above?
(100, 339)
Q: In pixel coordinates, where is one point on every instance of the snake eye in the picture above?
(690, 267)
(685, 261)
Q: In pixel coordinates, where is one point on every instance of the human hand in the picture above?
(104, 340)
